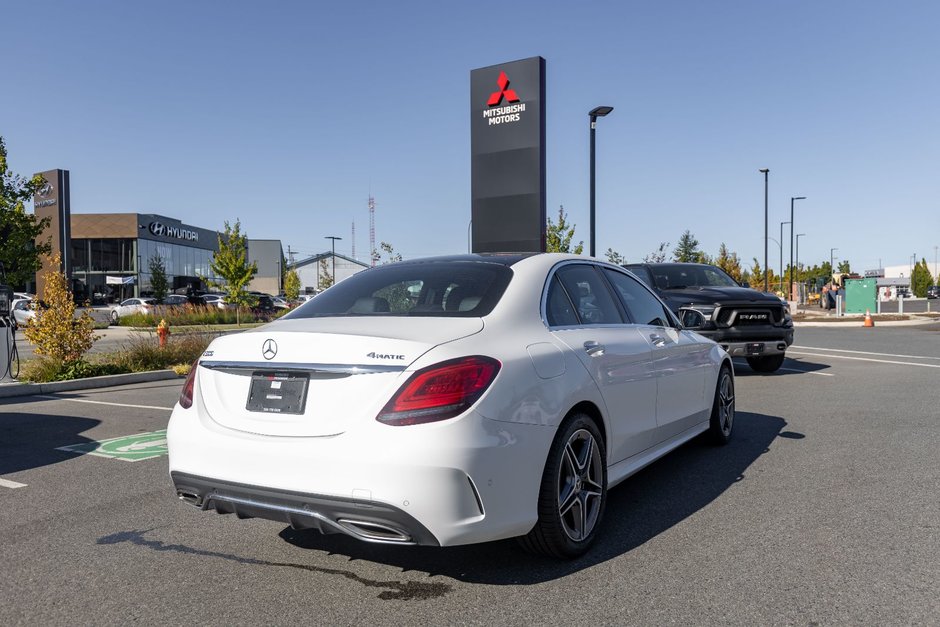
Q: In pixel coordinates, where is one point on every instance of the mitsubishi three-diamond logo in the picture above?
(511, 112)
(497, 96)
(269, 349)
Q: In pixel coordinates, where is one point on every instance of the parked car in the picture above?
(745, 322)
(23, 295)
(214, 300)
(24, 310)
(280, 302)
(502, 401)
(175, 300)
(131, 306)
(933, 291)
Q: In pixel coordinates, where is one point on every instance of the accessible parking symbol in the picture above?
(130, 448)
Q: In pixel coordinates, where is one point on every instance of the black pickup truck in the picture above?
(745, 322)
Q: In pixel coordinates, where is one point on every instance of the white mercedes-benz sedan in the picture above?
(448, 401)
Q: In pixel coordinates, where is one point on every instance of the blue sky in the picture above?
(287, 114)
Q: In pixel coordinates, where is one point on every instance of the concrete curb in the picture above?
(29, 389)
(858, 323)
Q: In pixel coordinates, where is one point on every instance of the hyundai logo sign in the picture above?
(162, 230)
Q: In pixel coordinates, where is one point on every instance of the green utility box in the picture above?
(860, 295)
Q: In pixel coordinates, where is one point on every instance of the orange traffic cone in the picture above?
(868, 321)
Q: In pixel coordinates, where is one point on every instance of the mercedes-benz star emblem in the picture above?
(269, 349)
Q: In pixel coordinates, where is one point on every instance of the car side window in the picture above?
(642, 306)
(589, 295)
(642, 273)
(559, 312)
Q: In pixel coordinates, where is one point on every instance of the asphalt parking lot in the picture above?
(823, 510)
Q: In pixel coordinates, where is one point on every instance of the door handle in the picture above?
(658, 340)
(594, 349)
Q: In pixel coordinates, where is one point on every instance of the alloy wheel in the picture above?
(726, 404)
(580, 489)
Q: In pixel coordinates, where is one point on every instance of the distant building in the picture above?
(107, 255)
(310, 270)
(269, 255)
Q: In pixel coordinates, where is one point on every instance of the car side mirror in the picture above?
(691, 318)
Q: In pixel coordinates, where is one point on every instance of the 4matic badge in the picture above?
(509, 113)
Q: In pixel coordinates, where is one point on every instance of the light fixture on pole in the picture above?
(792, 198)
(781, 254)
(596, 112)
(765, 172)
(333, 238)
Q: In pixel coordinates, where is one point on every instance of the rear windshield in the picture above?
(438, 289)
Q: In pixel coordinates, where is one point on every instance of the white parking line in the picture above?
(879, 361)
(842, 350)
(821, 374)
(85, 400)
(6, 483)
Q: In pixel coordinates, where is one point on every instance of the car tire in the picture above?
(721, 423)
(573, 492)
(771, 363)
(114, 317)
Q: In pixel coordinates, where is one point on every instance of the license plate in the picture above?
(755, 348)
(277, 393)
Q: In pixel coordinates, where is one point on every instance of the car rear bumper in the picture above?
(461, 481)
(364, 520)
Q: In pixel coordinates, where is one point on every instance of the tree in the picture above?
(158, 281)
(729, 262)
(687, 249)
(231, 264)
(558, 235)
(390, 255)
(325, 279)
(21, 248)
(757, 276)
(658, 255)
(845, 267)
(55, 331)
(291, 285)
(614, 257)
(921, 279)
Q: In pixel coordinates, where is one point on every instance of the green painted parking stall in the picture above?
(129, 448)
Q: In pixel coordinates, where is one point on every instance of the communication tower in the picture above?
(371, 229)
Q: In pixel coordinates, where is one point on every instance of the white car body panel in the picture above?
(471, 478)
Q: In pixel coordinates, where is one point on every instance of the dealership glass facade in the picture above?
(94, 260)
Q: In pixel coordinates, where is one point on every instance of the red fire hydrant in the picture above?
(163, 332)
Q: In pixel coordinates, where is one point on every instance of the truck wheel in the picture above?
(771, 363)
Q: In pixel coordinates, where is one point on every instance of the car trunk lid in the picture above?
(346, 369)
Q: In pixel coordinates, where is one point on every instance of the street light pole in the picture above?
(792, 198)
(333, 238)
(596, 112)
(765, 171)
(798, 236)
(781, 252)
(832, 262)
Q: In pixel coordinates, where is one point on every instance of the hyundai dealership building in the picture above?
(107, 255)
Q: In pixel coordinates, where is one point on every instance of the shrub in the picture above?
(190, 315)
(46, 369)
(55, 331)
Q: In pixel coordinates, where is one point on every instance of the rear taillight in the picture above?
(440, 391)
(186, 395)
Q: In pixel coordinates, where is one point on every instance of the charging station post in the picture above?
(7, 342)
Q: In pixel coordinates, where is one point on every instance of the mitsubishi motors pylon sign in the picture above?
(507, 150)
